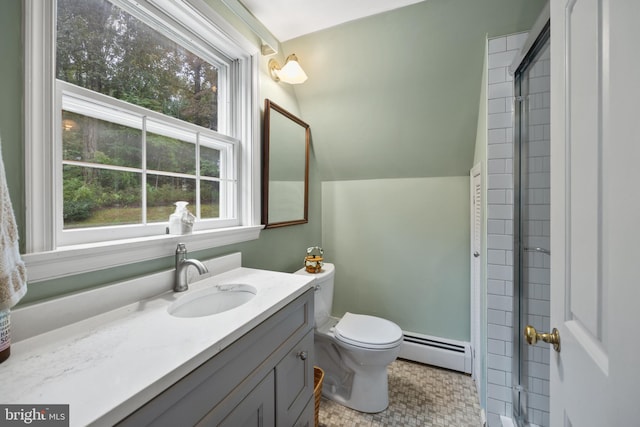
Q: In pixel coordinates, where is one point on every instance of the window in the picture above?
(123, 165)
(148, 103)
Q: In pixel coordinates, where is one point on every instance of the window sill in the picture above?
(77, 259)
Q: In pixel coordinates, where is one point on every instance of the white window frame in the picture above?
(46, 257)
(92, 104)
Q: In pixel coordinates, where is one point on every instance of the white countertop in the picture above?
(108, 365)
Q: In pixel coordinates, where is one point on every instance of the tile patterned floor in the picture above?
(419, 395)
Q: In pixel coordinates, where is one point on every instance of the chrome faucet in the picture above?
(182, 264)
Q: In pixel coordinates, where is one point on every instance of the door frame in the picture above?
(476, 274)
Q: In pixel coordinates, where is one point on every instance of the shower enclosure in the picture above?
(531, 228)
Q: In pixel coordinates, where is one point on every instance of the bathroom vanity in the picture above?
(265, 378)
(130, 363)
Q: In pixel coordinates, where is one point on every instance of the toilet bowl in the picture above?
(354, 351)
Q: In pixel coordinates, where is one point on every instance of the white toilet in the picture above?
(354, 351)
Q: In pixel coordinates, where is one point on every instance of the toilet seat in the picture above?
(367, 331)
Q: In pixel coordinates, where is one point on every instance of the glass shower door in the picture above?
(532, 234)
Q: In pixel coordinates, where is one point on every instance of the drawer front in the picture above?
(294, 381)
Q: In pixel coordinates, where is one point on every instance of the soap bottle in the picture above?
(175, 219)
(5, 335)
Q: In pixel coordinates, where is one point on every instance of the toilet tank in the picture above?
(323, 300)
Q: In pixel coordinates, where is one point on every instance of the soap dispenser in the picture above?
(181, 221)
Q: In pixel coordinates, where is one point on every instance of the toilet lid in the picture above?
(367, 331)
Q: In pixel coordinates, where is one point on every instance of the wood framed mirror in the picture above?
(285, 179)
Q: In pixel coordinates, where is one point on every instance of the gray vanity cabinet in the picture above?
(257, 409)
(294, 382)
(265, 378)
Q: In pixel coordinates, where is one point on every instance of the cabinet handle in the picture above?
(302, 355)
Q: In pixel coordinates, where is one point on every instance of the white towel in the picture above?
(13, 274)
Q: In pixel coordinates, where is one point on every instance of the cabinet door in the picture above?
(257, 409)
(294, 381)
(308, 416)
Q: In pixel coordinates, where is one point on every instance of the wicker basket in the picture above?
(318, 376)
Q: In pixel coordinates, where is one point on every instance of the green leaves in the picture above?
(105, 49)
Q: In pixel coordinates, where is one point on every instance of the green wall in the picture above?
(396, 94)
(11, 123)
(391, 99)
(400, 247)
(290, 241)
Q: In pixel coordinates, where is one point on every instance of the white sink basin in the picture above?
(207, 302)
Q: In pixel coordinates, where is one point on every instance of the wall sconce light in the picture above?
(68, 124)
(291, 72)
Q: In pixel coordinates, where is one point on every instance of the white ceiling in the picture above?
(288, 19)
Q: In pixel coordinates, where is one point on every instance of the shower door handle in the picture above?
(534, 336)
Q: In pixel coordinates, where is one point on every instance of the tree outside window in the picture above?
(115, 174)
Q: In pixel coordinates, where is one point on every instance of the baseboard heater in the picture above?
(445, 353)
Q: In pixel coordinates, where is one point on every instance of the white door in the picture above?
(595, 212)
(476, 272)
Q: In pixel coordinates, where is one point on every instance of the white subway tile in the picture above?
(495, 287)
(496, 257)
(509, 135)
(498, 44)
(498, 241)
(538, 370)
(496, 407)
(538, 132)
(545, 419)
(500, 272)
(539, 275)
(516, 41)
(509, 165)
(539, 307)
(495, 166)
(509, 77)
(493, 419)
(508, 225)
(497, 75)
(500, 181)
(495, 226)
(500, 120)
(508, 285)
(499, 392)
(499, 302)
(496, 377)
(545, 388)
(496, 136)
(540, 212)
(497, 197)
(501, 59)
(508, 351)
(499, 211)
(500, 90)
(535, 416)
(496, 317)
(500, 225)
(497, 105)
(501, 363)
(500, 151)
(495, 346)
(538, 401)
